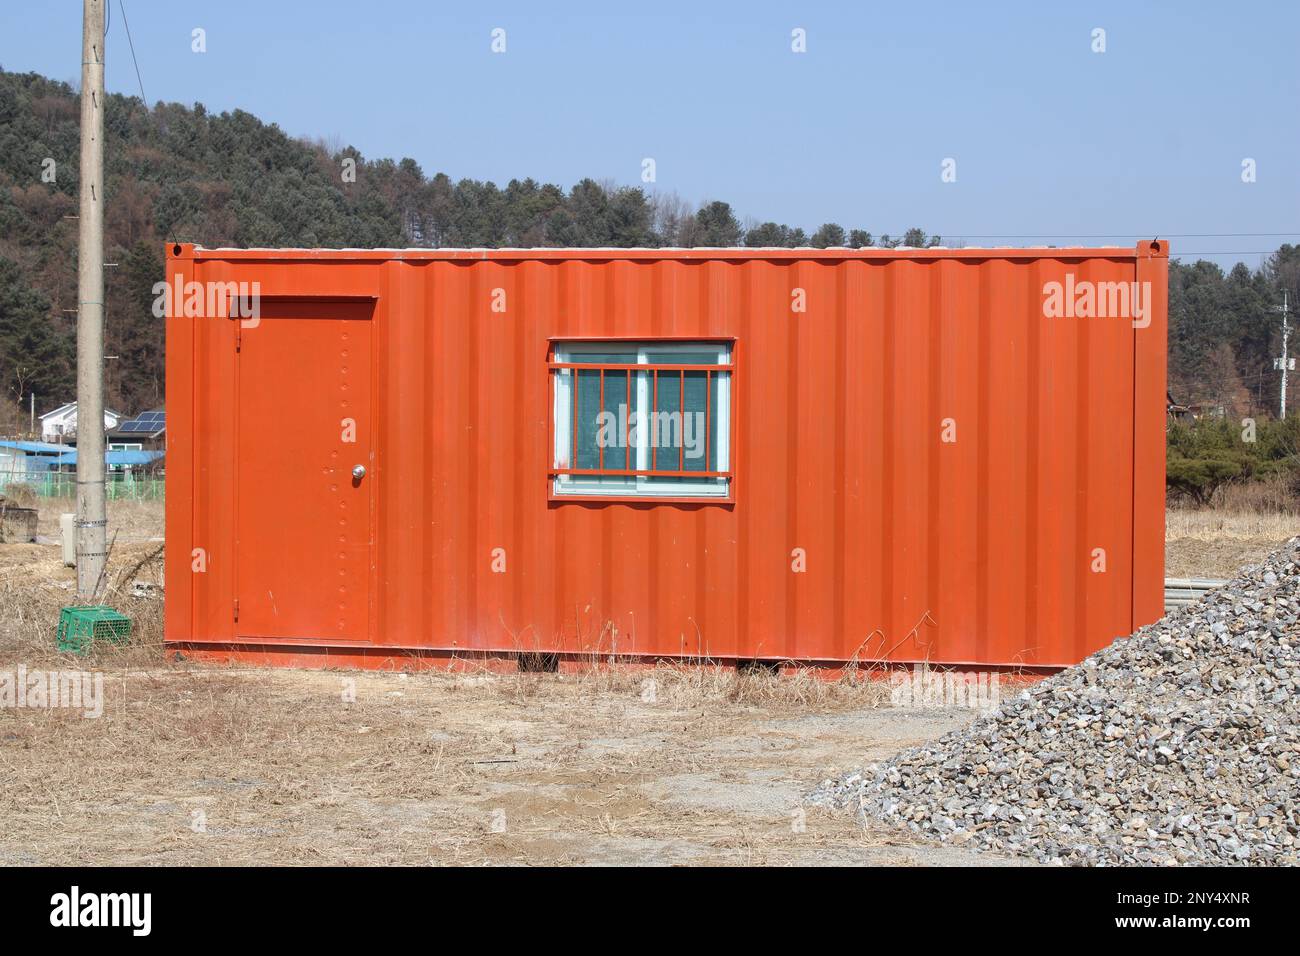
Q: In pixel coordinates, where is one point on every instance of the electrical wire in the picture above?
(131, 44)
(1118, 235)
(1226, 252)
(143, 99)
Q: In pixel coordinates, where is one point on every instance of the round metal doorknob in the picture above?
(359, 472)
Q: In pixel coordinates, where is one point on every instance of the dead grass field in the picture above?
(1211, 543)
(210, 765)
(470, 769)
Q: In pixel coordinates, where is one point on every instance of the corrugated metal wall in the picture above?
(979, 550)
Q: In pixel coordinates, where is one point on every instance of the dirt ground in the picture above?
(239, 767)
(210, 765)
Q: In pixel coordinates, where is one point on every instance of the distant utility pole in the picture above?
(1285, 363)
(92, 519)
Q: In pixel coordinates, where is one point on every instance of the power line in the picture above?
(144, 99)
(1225, 252)
(1120, 235)
(138, 78)
(1231, 235)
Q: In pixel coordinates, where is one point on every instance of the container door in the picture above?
(305, 472)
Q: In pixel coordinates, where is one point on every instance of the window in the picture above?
(642, 419)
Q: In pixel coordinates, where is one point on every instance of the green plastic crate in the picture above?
(81, 626)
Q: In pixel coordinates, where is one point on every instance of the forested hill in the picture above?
(176, 172)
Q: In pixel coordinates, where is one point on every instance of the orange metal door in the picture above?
(304, 522)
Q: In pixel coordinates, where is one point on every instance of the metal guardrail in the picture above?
(1183, 591)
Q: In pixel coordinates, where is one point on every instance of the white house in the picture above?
(60, 425)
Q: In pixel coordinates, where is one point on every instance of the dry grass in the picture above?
(1248, 521)
(130, 521)
(227, 766)
(1219, 525)
(34, 585)
(210, 765)
(1275, 494)
(213, 765)
(1218, 542)
(224, 767)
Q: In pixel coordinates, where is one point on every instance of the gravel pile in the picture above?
(1180, 744)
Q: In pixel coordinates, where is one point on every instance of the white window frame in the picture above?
(641, 486)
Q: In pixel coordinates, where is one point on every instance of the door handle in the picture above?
(359, 472)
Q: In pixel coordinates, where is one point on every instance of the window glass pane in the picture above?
(585, 454)
(685, 433)
(666, 423)
(585, 451)
(701, 417)
(616, 425)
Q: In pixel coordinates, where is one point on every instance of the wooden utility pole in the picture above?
(92, 519)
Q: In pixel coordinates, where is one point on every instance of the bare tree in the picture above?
(672, 214)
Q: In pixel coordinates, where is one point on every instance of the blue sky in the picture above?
(1050, 138)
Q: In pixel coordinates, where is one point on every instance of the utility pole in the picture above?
(92, 519)
(1285, 363)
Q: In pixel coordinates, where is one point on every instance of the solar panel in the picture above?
(144, 422)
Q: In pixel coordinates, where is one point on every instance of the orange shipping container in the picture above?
(397, 457)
